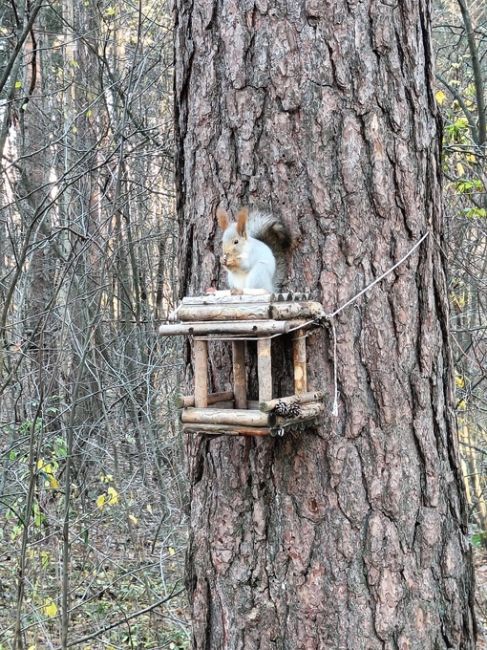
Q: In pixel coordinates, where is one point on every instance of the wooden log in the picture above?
(226, 430)
(299, 361)
(264, 369)
(303, 398)
(200, 373)
(223, 404)
(228, 299)
(239, 374)
(240, 311)
(232, 328)
(236, 417)
(228, 404)
(183, 401)
(292, 310)
(222, 330)
(299, 323)
(308, 412)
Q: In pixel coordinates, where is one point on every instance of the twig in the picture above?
(19, 44)
(102, 630)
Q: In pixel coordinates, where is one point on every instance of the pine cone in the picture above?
(287, 410)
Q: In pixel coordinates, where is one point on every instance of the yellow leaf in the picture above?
(440, 97)
(462, 405)
(471, 158)
(110, 11)
(49, 608)
(171, 551)
(459, 382)
(40, 463)
(149, 508)
(133, 519)
(460, 169)
(53, 482)
(459, 300)
(100, 502)
(112, 496)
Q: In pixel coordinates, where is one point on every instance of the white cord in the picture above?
(381, 277)
(331, 317)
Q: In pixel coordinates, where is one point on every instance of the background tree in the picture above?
(460, 33)
(91, 494)
(353, 534)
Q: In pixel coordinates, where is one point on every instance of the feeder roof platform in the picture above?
(252, 314)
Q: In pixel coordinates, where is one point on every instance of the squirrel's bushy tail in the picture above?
(273, 232)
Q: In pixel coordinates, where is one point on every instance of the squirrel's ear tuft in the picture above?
(242, 218)
(222, 218)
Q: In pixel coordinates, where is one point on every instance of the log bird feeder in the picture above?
(253, 316)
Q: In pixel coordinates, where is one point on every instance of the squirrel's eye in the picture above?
(236, 241)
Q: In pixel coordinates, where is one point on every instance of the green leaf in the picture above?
(476, 213)
(464, 186)
(479, 539)
(461, 123)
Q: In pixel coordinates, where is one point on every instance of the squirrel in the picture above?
(254, 250)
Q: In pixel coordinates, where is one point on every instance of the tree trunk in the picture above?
(352, 534)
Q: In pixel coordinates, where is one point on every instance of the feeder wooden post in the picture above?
(264, 369)
(200, 373)
(239, 379)
(299, 360)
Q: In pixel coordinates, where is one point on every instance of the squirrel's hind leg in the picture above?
(260, 277)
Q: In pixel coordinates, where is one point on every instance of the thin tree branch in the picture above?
(477, 72)
(19, 44)
(120, 621)
(468, 114)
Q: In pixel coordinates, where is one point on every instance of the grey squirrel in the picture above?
(254, 250)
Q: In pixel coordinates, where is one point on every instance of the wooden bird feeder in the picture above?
(252, 316)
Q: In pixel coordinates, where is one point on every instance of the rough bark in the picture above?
(353, 534)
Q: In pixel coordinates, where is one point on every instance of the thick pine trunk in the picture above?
(353, 534)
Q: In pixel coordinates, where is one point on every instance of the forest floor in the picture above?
(126, 556)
